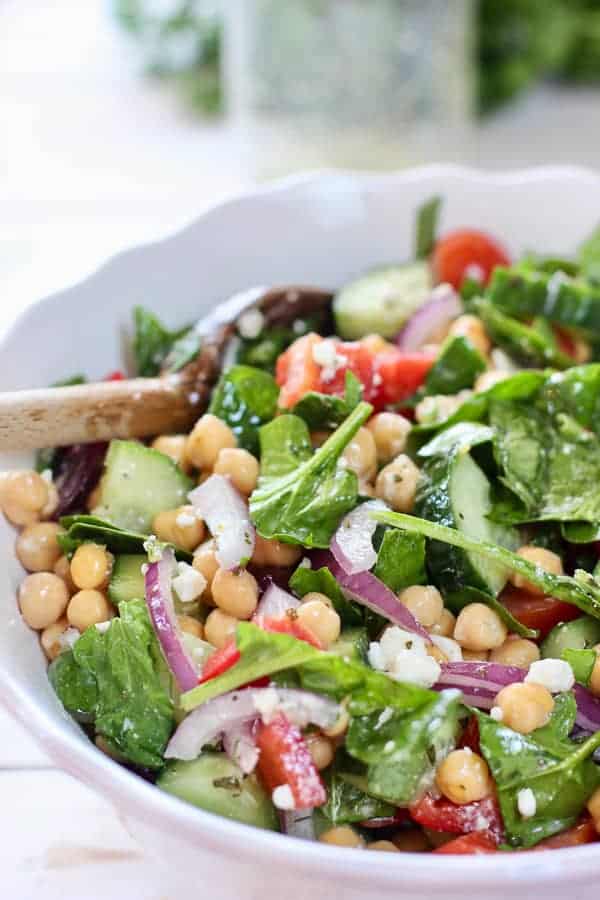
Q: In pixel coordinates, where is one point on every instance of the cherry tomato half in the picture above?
(466, 249)
(533, 611)
(475, 843)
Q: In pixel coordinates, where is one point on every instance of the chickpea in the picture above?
(24, 495)
(219, 628)
(50, 638)
(43, 598)
(180, 527)
(444, 627)
(360, 455)
(62, 568)
(321, 749)
(424, 602)
(593, 806)
(342, 836)
(240, 466)
(475, 655)
(390, 432)
(366, 489)
(411, 840)
(397, 484)
(317, 595)
(541, 557)
(235, 593)
(436, 653)
(487, 380)
(205, 562)
(516, 651)
(479, 628)
(437, 407)
(173, 445)
(37, 547)
(594, 684)
(383, 846)
(464, 777)
(525, 706)
(191, 626)
(270, 552)
(88, 607)
(340, 727)
(472, 328)
(50, 507)
(209, 436)
(91, 567)
(321, 619)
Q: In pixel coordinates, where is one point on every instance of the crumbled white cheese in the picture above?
(326, 356)
(377, 379)
(305, 563)
(250, 324)
(554, 674)
(189, 584)
(403, 656)
(298, 326)
(154, 548)
(283, 798)
(101, 626)
(144, 568)
(67, 639)
(475, 272)
(502, 362)
(47, 475)
(526, 803)
(450, 648)
(496, 714)
(185, 519)
(266, 703)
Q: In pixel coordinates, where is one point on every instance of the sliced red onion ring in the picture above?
(367, 590)
(275, 603)
(352, 544)
(226, 513)
(443, 305)
(159, 600)
(238, 709)
(239, 743)
(588, 708)
(297, 823)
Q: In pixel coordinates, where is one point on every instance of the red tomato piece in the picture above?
(454, 254)
(290, 626)
(220, 661)
(285, 760)
(475, 843)
(117, 375)
(443, 815)
(296, 372)
(355, 357)
(400, 374)
(582, 833)
(538, 612)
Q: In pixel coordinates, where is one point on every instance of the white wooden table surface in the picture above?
(91, 160)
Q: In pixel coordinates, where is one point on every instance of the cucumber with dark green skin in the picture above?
(456, 368)
(581, 634)
(526, 293)
(352, 644)
(526, 344)
(454, 491)
(126, 578)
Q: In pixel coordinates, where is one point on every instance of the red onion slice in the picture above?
(274, 603)
(367, 590)
(352, 544)
(443, 305)
(159, 600)
(588, 708)
(239, 743)
(226, 513)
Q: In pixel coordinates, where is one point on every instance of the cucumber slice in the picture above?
(138, 483)
(216, 784)
(581, 634)
(126, 579)
(381, 301)
(455, 492)
(352, 644)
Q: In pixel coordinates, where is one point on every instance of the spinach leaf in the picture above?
(426, 227)
(325, 411)
(300, 497)
(589, 256)
(264, 350)
(401, 560)
(456, 368)
(580, 532)
(75, 687)
(457, 600)
(132, 707)
(245, 398)
(581, 589)
(305, 580)
(524, 343)
(183, 350)
(349, 802)
(81, 529)
(151, 342)
(560, 774)
(461, 437)
(582, 662)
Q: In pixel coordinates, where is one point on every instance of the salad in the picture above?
(360, 601)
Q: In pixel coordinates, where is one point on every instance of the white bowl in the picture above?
(320, 229)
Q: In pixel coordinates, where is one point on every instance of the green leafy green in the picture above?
(132, 708)
(426, 227)
(305, 580)
(82, 529)
(582, 662)
(580, 589)
(245, 398)
(151, 342)
(458, 438)
(75, 687)
(324, 411)
(401, 560)
(524, 343)
(264, 350)
(347, 802)
(580, 532)
(589, 256)
(456, 368)
(301, 497)
(183, 350)
(561, 774)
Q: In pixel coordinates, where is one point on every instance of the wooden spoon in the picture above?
(141, 407)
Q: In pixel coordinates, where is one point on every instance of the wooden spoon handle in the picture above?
(56, 417)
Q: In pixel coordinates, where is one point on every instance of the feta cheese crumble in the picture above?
(266, 703)
(403, 656)
(496, 714)
(189, 584)
(250, 324)
(326, 356)
(554, 674)
(526, 803)
(282, 797)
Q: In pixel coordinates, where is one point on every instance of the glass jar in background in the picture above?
(354, 83)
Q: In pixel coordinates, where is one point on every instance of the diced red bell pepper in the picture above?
(534, 611)
(400, 375)
(220, 661)
(582, 833)
(285, 760)
(454, 254)
(290, 626)
(474, 844)
(443, 815)
(296, 372)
